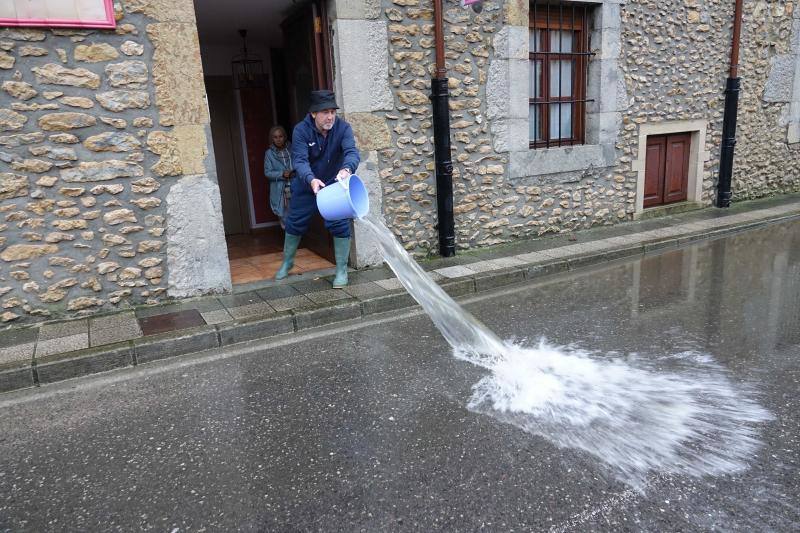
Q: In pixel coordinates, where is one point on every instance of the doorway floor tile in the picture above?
(264, 266)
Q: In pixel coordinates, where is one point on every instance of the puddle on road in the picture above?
(692, 420)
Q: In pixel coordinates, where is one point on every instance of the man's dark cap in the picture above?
(321, 100)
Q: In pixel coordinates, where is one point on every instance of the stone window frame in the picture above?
(698, 156)
(507, 101)
(783, 83)
(793, 133)
(557, 17)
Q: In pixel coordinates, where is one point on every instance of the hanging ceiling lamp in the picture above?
(248, 69)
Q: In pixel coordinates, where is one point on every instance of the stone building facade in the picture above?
(658, 68)
(108, 192)
(108, 195)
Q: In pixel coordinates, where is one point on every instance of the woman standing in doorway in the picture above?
(278, 169)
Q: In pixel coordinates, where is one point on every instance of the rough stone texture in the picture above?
(21, 252)
(36, 51)
(101, 171)
(23, 34)
(131, 48)
(365, 250)
(180, 93)
(119, 123)
(31, 165)
(405, 168)
(143, 122)
(182, 151)
(164, 144)
(56, 153)
(358, 9)
(7, 61)
(112, 141)
(77, 101)
(780, 83)
(371, 131)
(783, 84)
(84, 302)
(55, 74)
(197, 259)
(654, 63)
(65, 138)
(129, 74)
(95, 53)
(11, 120)
(192, 146)
(764, 163)
(20, 89)
(112, 218)
(19, 139)
(13, 185)
(121, 100)
(163, 10)
(145, 186)
(515, 12)
(66, 121)
(364, 63)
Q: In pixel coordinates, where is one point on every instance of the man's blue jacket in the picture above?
(322, 157)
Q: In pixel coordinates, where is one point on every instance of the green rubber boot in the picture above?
(290, 244)
(341, 250)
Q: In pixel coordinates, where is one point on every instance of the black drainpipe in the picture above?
(440, 96)
(732, 89)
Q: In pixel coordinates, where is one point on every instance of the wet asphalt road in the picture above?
(366, 428)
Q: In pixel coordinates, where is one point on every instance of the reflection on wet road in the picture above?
(367, 429)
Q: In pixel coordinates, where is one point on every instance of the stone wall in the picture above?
(675, 65)
(768, 141)
(660, 64)
(484, 197)
(502, 191)
(96, 128)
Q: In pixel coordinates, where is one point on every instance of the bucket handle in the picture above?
(345, 182)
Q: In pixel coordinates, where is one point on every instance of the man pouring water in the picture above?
(323, 150)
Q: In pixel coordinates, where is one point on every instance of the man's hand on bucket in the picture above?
(343, 174)
(316, 185)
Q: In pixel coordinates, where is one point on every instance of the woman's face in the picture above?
(279, 139)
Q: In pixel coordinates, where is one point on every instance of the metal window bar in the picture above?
(577, 57)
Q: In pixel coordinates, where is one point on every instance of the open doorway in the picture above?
(288, 55)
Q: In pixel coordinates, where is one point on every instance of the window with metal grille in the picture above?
(559, 59)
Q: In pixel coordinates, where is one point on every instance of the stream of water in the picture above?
(636, 419)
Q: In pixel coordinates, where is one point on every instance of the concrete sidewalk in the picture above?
(54, 351)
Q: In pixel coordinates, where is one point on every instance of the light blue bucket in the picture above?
(343, 199)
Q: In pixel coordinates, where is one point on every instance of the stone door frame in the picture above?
(698, 155)
(361, 35)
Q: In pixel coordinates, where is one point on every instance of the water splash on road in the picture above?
(636, 418)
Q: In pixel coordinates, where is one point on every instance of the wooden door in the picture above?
(308, 56)
(676, 171)
(308, 67)
(654, 170)
(666, 178)
(257, 119)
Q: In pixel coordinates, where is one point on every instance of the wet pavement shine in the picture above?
(365, 428)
